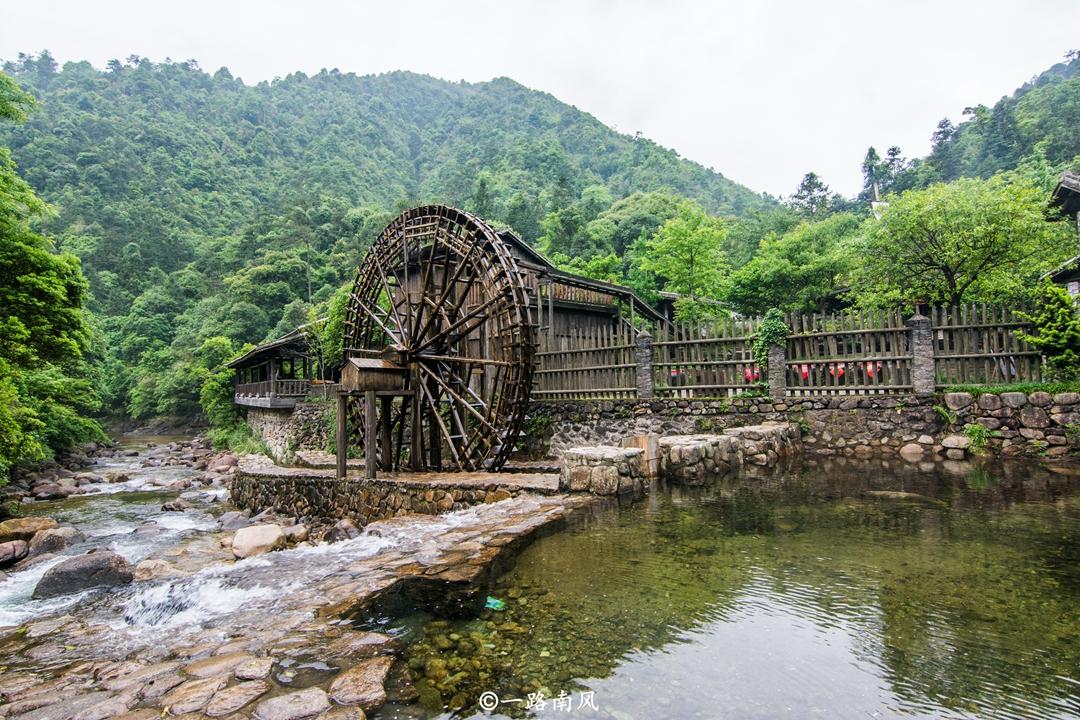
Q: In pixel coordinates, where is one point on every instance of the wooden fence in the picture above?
(845, 353)
(593, 363)
(850, 353)
(705, 359)
(977, 345)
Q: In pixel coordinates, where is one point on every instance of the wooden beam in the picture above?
(385, 424)
(371, 433)
(340, 437)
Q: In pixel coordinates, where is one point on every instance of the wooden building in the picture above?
(1066, 198)
(275, 374)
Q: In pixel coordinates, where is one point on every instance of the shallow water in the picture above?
(830, 590)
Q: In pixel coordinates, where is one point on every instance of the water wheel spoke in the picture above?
(437, 417)
(460, 400)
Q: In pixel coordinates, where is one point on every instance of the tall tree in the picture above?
(966, 240)
(687, 254)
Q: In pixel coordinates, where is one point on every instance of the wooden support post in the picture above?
(371, 433)
(273, 378)
(384, 421)
(551, 312)
(416, 462)
(341, 447)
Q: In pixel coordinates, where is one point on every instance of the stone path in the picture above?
(239, 664)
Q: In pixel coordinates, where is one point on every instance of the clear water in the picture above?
(838, 590)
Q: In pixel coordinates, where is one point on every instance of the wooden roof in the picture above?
(293, 344)
(1067, 194)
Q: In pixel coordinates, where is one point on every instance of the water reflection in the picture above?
(828, 588)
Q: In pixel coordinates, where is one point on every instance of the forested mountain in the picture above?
(1039, 121)
(202, 207)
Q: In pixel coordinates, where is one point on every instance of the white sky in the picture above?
(761, 90)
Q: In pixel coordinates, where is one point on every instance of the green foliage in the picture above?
(979, 435)
(969, 240)
(799, 271)
(773, 331)
(950, 417)
(1056, 331)
(687, 256)
(1026, 388)
(46, 398)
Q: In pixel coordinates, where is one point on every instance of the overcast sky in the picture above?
(760, 90)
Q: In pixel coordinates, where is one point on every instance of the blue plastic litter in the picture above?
(494, 604)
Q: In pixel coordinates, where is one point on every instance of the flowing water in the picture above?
(833, 590)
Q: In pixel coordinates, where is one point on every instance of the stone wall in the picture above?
(306, 493)
(309, 426)
(1037, 424)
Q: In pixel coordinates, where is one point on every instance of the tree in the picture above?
(802, 270)
(687, 254)
(1057, 331)
(811, 198)
(963, 241)
(45, 398)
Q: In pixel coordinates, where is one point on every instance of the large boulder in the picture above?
(25, 528)
(12, 552)
(257, 539)
(98, 568)
(54, 540)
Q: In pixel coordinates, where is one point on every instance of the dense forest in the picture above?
(206, 213)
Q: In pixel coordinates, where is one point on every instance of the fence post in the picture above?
(922, 354)
(777, 373)
(643, 358)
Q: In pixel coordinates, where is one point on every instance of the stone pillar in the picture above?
(922, 354)
(643, 357)
(777, 372)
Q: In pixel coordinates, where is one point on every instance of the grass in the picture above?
(1048, 387)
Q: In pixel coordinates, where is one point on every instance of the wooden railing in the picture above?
(281, 388)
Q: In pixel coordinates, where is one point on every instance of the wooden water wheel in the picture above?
(440, 304)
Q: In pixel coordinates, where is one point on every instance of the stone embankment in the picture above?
(1037, 424)
(687, 459)
(261, 485)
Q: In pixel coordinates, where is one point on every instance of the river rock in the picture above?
(294, 706)
(54, 540)
(912, 452)
(1034, 417)
(12, 552)
(362, 684)
(956, 442)
(958, 400)
(98, 568)
(234, 520)
(192, 695)
(230, 699)
(224, 463)
(256, 540)
(344, 529)
(155, 569)
(1014, 399)
(177, 505)
(343, 713)
(25, 528)
(254, 669)
(216, 665)
(295, 533)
